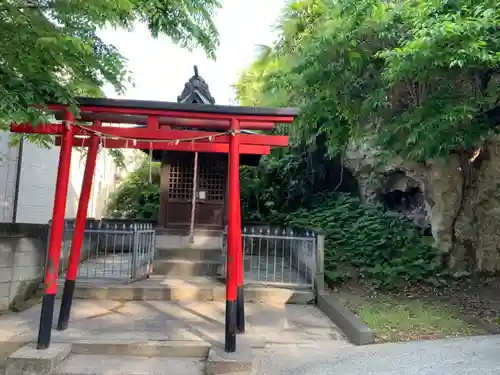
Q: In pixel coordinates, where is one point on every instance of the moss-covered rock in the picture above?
(461, 199)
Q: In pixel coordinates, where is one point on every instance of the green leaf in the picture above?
(51, 50)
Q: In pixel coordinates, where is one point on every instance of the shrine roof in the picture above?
(196, 90)
(146, 105)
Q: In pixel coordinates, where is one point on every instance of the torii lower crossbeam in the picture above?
(158, 133)
(220, 148)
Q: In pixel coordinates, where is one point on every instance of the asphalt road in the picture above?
(463, 356)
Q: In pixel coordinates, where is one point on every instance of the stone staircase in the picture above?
(127, 358)
(178, 257)
(184, 270)
(187, 263)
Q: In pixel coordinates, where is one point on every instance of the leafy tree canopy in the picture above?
(51, 50)
(413, 75)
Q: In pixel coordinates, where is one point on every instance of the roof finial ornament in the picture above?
(195, 90)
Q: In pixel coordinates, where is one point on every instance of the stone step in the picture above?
(185, 232)
(189, 254)
(184, 291)
(150, 348)
(82, 364)
(169, 241)
(185, 268)
(134, 358)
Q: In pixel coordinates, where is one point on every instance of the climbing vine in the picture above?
(367, 242)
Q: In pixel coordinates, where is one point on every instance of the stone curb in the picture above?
(356, 331)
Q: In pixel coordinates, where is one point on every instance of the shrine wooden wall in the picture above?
(176, 191)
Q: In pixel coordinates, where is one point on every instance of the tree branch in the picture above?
(27, 5)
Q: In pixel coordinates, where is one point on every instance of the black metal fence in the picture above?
(112, 248)
(278, 256)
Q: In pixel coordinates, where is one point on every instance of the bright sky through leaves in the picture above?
(160, 68)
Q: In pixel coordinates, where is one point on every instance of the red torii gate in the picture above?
(155, 129)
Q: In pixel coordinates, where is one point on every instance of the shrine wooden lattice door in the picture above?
(177, 191)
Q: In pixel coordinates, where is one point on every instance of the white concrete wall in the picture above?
(8, 164)
(38, 177)
(37, 184)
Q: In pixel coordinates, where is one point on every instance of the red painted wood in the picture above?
(83, 204)
(174, 121)
(232, 216)
(57, 229)
(178, 114)
(220, 148)
(146, 133)
(152, 123)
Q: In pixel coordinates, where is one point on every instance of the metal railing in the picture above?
(277, 256)
(112, 249)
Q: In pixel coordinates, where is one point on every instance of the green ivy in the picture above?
(367, 242)
(52, 51)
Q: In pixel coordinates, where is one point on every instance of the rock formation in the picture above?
(457, 198)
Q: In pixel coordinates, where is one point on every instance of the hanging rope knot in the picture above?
(67, 124)
(234, 131)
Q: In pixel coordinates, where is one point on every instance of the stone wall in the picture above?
(22, 259)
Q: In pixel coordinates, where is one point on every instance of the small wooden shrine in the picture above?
(193, 188)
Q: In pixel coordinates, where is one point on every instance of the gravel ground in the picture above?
(463, 356)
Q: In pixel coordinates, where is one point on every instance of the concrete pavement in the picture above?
(109, 321)
(286, 340)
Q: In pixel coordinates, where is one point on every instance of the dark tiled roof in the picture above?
(193, 88)
(187, 107)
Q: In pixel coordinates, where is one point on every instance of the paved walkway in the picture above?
(464, 356)
(184, 321)
(287, 339)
